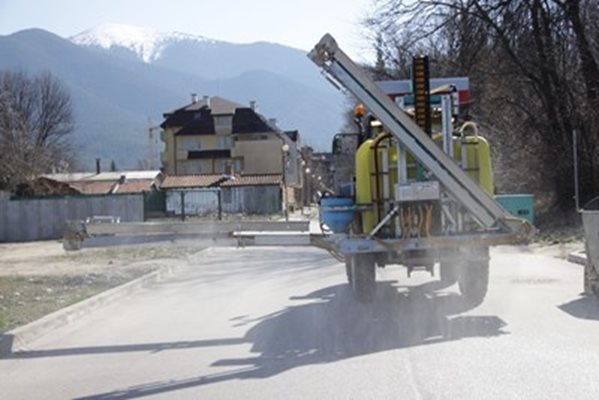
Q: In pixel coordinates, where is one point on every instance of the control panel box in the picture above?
(417, 191)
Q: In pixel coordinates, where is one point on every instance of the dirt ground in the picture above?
(40, 277)
(49, 258)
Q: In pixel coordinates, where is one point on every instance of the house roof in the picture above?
(254, 180)
(198, 118)
(246, 120)
(43, 186)
(103, 176)
(293, 135)
(191, 181)
(216, 104)
(91, 187)
(205, 126)
(69, 176)
(134, 186)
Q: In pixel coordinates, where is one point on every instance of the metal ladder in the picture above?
(343, 72)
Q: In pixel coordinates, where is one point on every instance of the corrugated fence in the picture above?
(194, 201)
(236, 199)
(251, 199)
(44, 218)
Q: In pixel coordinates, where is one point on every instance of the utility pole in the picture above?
(152, 139)
(575, 158)
(285, 156)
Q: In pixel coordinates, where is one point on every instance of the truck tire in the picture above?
(363, 275)
(473, 281)
(449, 272)
(348, 270)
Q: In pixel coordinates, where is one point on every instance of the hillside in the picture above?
(116, 91)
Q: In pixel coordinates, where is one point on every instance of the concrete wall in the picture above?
(44, 219)
(260, 156)
(251, 199)
(168, 154)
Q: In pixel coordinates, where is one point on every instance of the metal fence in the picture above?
(252, 199)
(45, 218)
(215, 201)
(200, 202)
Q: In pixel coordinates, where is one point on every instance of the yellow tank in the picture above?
(363, 187)
(476, 163)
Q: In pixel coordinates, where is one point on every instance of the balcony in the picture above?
(208, 154)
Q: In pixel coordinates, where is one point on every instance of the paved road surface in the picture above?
(261, 323)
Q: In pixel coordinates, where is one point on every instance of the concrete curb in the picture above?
(578, 257)
(21, 336)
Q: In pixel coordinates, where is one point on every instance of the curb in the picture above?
(21, 336)
(578, 257)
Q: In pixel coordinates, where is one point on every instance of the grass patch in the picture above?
(555, 235)
(24, 299)
(127, 253)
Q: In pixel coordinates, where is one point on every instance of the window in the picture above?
(224, 142)
(223, 124)
(189, 144)
(191, 168)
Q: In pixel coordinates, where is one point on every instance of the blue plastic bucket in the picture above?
(337, 213)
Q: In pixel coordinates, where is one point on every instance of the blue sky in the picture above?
(298, 23)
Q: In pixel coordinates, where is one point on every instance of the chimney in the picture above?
(207, 101)
(272, 121)
(97, 166)
(194, 98)
(253, 104)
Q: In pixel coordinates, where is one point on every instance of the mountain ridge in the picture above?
(146, 43)
(114, 95)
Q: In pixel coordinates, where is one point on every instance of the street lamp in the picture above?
(284, 153)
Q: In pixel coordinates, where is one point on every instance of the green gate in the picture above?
(154, 204)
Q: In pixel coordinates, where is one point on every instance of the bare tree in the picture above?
(534, 71)
(36, 120)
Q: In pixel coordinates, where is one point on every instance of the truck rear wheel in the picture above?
(348, 270)
(449, 272)
(362, 277)
(473, 281)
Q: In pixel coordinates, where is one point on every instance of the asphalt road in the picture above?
(260, 323)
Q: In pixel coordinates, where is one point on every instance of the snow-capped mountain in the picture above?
(146, 43)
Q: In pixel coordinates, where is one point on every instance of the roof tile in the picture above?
(253, 180)
(134, 186)
(190, 181)
(93, 187)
